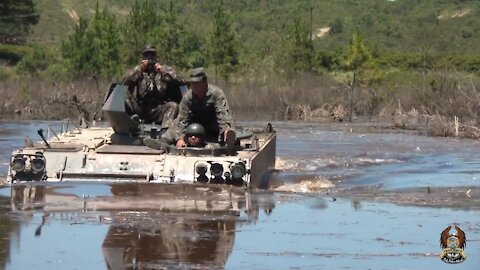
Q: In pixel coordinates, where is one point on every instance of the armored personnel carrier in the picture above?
(115, 152)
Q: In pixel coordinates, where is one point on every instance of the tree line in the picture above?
(295, 65)
(16, 18)
(102, 45)
(105, 44)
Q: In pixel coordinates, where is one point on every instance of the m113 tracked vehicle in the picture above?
(115, 152)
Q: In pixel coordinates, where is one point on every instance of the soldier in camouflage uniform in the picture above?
(206, 105)
(154, 90)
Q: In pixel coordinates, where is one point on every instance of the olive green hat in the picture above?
(197, 75)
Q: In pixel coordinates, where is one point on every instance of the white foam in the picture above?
(317, 163)
(284, 164)
(306, 186)
(373, 161)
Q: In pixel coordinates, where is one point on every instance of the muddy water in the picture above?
(329, 207)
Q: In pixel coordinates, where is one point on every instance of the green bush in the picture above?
(411, 60)
(56, 71)
(5, 72)
(12, 54)
(461, 62)
(402, 60)
(39, 60)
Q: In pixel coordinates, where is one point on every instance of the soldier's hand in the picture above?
(158, 68)
(144, 65)
(181, 143)
(225, 133)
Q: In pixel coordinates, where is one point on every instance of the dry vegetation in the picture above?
(447, 106)
(44, 99)
(304, 97)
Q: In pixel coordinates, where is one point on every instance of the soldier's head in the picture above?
(195, 135)
(198, 81)
(149, 52)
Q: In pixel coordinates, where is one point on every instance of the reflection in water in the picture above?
(154, 226)
(356, 204)
(28, 197)
(9, 229)
(176, 242)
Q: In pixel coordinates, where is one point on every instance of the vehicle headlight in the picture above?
(201, 169)
(18, 164)
(216, 169)
(38, 165)
(238, 170)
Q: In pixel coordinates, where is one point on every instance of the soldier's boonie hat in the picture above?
(149, 48)
(197, 75)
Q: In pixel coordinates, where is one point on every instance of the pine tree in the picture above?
(297, 47)
(142, 26)
(75, 47)
(16, 18)
(179, 47)
(361, 67)
(172, 38)
(109, 43)
(94, 47)
(222, 44)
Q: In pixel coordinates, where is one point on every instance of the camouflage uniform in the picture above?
(212, 113)
(154, 97)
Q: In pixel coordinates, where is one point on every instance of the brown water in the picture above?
(329, 207)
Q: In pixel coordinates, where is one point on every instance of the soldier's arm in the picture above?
(170, 75)
(224, 118)
(173, 81)
(182, 119)
(131, 78)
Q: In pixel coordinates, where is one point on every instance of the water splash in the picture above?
(319, 163)
(285, 164)
(315, 185)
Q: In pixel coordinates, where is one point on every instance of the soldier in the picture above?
(206, 105)
(154, 90)
(195, 135)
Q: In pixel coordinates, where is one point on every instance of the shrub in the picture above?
(5, 73)
(12, 54)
